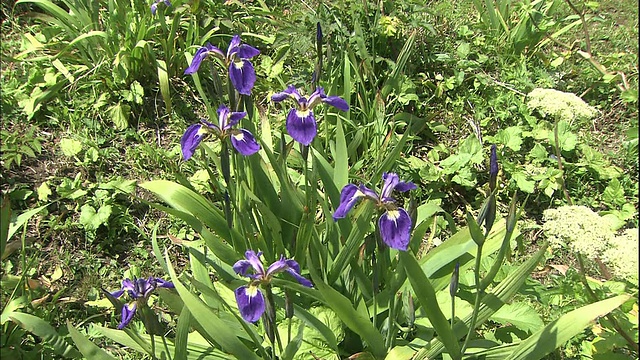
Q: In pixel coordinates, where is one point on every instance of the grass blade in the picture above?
(563, 329)
(86, 346)
(42, 329)
(427, 297)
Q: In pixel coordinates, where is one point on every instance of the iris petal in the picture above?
(247, 51)
(369, 193)
(128, 311)
(242, 75)
(145, 287)
(250, 303)
(241, 267)
(116, 294)
(290, 91)
(244, 142)
(301, 279)
(200, 55)
(405, 186)
(233, 46)
(390, 182)
(164, 284)
(337, 102)
(254, 260)
(349, 196)
(234, 118)
(223, 115)
(294, 270)
(190, 140)
(278, 266)
(395, 229)
(316, 97)
(301, 126)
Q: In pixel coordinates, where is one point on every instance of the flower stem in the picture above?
(271, 328)
(391, 322)
(226, 173)
(560, 167)
(476, 305)
(153, 347)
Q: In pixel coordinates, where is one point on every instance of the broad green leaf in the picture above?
(519, 314)
(22, 219)
(136, 93)
(42, 329)
(313, 341)
(400, 353)
(120, 115)
(163, 79)
(293, 346)
(566, 138)
(341, 172)
(510, 137)
(427, 296)
(182, 333)
(558, 332)
(91, 219)
(185, 200)
(614, 193)
(86, 346)
(70, 147)
(197, 347)
(523, 182)
(538, 152)
(350, 316)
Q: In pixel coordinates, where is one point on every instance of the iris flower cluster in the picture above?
(241, 71)
(251, 302)
(241, 139)
(395, 223)
(139, 291)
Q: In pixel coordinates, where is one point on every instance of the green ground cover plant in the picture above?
(282, 180)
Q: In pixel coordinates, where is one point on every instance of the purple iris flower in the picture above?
(241, 139)
(395, 222)
(301, 124)
(154, 6)
(250, 300)
(139, 291)
(241, 71)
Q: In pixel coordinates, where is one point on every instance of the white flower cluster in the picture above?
(559, 105)
(580, 229)
(622, 255)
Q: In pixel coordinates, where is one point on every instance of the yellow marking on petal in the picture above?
(238, 64)
(393, 215)
(252, 291)
(303, 113)
(358, 194)
(203, 130)
(239, 136)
